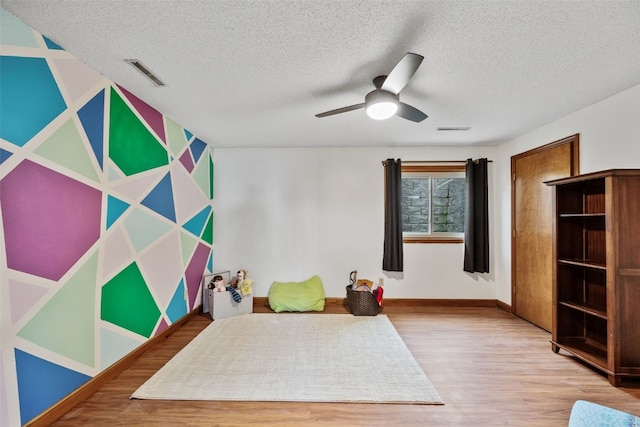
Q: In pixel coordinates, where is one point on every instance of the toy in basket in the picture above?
(363, 298)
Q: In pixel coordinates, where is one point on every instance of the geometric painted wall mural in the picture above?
(30, 98)
(42, 383)
(49, 217)
(132, 146)
(106, 217)
(128, 303)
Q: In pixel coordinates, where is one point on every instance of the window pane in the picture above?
(433, 203)
(448, 205)
(415, 205)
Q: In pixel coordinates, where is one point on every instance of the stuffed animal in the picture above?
(236, 280)
(217, 284)
(241, 282)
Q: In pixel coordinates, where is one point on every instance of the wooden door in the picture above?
(531, 233)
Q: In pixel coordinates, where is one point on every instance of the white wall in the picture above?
(286, 214)
(609, 138)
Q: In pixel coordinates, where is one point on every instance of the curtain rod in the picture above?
(435, 161)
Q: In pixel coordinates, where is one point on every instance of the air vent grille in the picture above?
(145, 71)
(454, 128)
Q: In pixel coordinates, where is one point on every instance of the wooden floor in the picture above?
(490, 368)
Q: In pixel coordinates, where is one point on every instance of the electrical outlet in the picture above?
(381, 281)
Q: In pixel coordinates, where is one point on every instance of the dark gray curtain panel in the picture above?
(393, 256)
(476, 223)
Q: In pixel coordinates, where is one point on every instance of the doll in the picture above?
(217, 284)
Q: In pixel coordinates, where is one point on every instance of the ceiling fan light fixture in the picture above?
(382, 110)
(384, 102)
(380, 104)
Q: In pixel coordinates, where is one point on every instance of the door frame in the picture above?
(574, 143)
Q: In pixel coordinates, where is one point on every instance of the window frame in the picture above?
(430, 169)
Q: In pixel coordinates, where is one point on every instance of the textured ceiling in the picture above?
(252, 73)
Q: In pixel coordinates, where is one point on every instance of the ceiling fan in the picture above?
(383, 102)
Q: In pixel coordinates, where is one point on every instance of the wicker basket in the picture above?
(362, 303)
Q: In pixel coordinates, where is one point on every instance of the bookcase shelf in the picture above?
(592, 354)
(586, 307)
(596, 245)
(582, 215)
(587, 263)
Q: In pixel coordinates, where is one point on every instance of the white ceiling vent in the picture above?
(458, 128)
(145, 71)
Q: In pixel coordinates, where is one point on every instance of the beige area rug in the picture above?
(297, 358)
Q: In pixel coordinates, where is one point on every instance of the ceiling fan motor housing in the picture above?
(381, 104)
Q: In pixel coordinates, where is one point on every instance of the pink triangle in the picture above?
(116, 253)
(153, 117)
(163, 325)
(77, 77)
(23, 296)
(186, 161)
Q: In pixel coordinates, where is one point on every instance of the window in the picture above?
(433, 203)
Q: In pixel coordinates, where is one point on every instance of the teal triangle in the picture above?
(188, 134)
(51, 45)
(115, 209)
(178, 305)
(196, 224)
(210, 263)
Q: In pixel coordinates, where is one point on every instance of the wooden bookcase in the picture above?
(596, 277)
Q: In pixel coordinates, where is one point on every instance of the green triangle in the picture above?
(201, 175)
(127, 302)
(211, 169)
(132, 147)
(207, 234)
(188, 244)
(175, 136)
(66, 148)
(66, 324)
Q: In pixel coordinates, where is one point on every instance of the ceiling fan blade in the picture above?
(408, 112)
(402, 72)
(341, 110)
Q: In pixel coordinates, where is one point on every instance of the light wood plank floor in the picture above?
(490, 368)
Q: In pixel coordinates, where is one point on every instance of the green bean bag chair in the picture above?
(297, 296)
